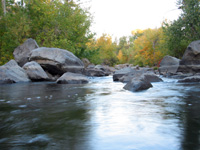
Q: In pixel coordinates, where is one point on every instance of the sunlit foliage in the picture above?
(105, 49)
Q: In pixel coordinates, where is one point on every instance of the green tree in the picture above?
(185, 29)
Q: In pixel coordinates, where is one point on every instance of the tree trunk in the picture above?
(4, 6)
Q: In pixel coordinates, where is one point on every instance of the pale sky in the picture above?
(119, 17)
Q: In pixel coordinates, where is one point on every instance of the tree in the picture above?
(148, 48)
(102, 50)
(185, 29)
(4, 6)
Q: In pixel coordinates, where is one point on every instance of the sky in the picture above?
(119, 17)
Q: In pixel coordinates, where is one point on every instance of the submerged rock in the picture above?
(35, 72)
(72, 78)
(11, 72)
(57, 61)
(190, 79)
(23, 52)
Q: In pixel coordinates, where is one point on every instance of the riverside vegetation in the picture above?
(65, 25)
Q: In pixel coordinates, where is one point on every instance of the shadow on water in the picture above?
(43, 115)
(190, 120)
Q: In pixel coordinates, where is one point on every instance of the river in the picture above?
(100, 115)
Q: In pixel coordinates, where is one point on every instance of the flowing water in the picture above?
(99, 116)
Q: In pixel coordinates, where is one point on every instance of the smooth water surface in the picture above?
(99, 116)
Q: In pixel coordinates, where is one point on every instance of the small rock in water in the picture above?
(29, 98)
(2, 100)
(38, 97)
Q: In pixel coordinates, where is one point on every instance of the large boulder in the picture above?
(138, 84)
(72, 78)
(12, 73)
(137, 73)
(22, 52)
(190, 62)
(190, 79)
(120, 73)
(169, 64)
(35, 72)
(57, 61)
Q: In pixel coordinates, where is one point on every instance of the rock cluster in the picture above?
(34, 63)
(187, 69)
(136, 79)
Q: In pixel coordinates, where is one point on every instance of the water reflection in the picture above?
(99, 116)
(49, 116)
(191, 120)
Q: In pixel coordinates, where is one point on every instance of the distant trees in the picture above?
(148, 47)
(102, 50)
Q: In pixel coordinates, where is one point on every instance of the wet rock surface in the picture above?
(72, 78)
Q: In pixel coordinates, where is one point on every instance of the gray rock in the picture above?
(72, 78)
(190, 79)
(119, 73)
(169, 64)
(22, 52)
(35, 71)
(121, 66)
(86, 62)
(12, 73)
(138, 84)
(190, 62)
(107, 69)
(92, 72)
(57, 61)
(98, 70)
(150, 77)
(138, 73)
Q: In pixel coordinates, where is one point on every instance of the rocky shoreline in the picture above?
(34, 63)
